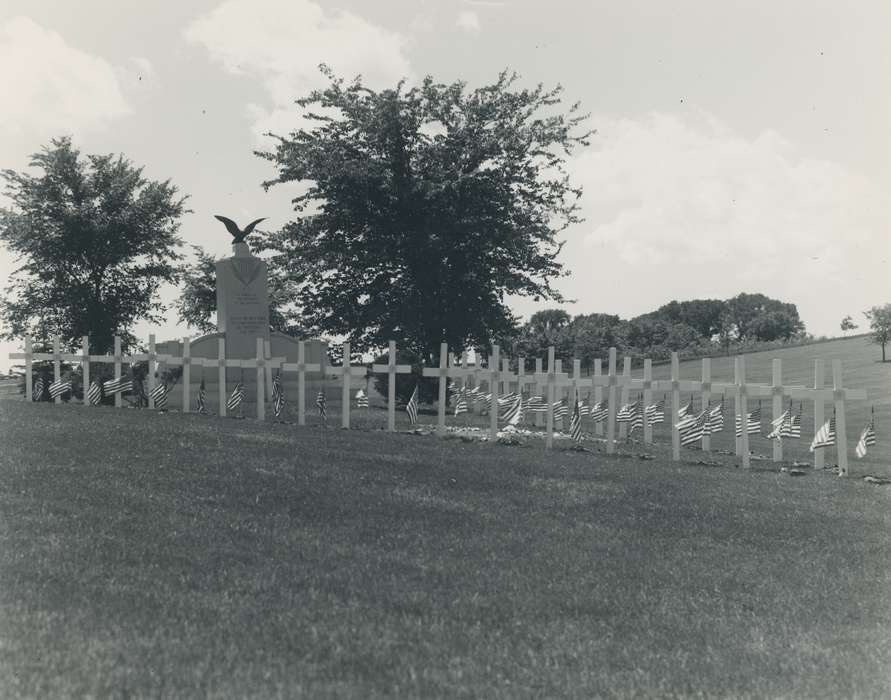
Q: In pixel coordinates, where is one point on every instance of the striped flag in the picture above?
(792, 429)
(867, 437)
(94, 395)
(656, 412)
(686, 410)
(536, 404)
(695, 431)
(637, 421)
(201, 401)
(575, 423)
(600, 411)
(753, 423)
(361, 399)
(411, 408)
(561, 410)
(584, 408)
(507, 399)
(322, 405)
(782, 425)
(159, 396)
(514, 413)
(626, 413)
(37, 389)
(56, 389)
(278, 394)
(117, 386)
(825, 436)
(461, 402)
(236, 397)
(716, 418)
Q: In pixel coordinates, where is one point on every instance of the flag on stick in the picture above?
(37, 391)
(236, 397)
(825, 436)
(575, 423)
(411, 408)
(118, 386)
(201, 401)
(461, 402)
(361, 399)
(626, 413)
(753, 422)
(94, 395)
(58, 388)
(278, 394)
(656, 412)
(159, 396)
(514, 413)
(716, 418)
(600, 411)
(867, 437)
(322, 405)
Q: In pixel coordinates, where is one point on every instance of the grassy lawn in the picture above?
(186, 556)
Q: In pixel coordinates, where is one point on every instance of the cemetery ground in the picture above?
(183, 555)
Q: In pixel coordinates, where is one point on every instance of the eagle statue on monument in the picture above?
(238, 235)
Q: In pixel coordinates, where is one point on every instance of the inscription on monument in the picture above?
(242, 302)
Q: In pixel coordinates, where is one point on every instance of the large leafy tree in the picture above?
(432, 204)
(95, 240)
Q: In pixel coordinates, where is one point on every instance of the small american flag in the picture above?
(461, 402)
(695, 431)
(37, 390)
(278, 395)
(322, 404)
(201, 401)
(94, 395)
(514, 413)
(867, 437)
(716, 418)
(626, 413)
(561, 410)
(58, 388)
(637, 421)
(656, 412)
(575, 423)
(753, 423)
(825, 436)
(118, 386)
(362, 399)
(412, 406)
(159, 396)
(236, 398)
(600, 411)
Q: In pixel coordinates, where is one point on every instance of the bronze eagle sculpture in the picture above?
(238, 235)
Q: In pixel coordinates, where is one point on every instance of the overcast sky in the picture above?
(741, 146)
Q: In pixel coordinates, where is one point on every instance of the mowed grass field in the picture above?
(169, 555)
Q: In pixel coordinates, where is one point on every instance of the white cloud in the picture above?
(50, 88)
(282, 42)
(468, 20)
(690, 199)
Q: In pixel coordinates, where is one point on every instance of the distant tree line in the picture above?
(693, 328)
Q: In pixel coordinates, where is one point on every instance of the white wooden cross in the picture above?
(647, 400)
(626, 390)
(220, 363)
(185, 361)
(443, 373)
(301, 367)
(523, 379)
(552, 380)
(540, 389)
(30, 357)
(598, 393)
(461, 374)
(578, 382)
(346, 371)
(493, 376)
(392, 369)
(675, 385)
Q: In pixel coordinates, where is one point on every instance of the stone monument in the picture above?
(243, 316)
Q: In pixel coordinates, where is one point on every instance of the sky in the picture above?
(740, 146)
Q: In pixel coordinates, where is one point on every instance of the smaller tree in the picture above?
(880, 325)
(847, 324)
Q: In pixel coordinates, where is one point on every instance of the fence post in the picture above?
(221, 375)
(187, 375)
(819, 378)
(706, 398)
(117, 370)
(647, 400)
(612, 398)
(493, 388)
(549, 421)
(743, 393)
(301, 382)
(598, 394)
(85, 360)
(841, 433)
(626, 375)
(777, 391)
(675, 407)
